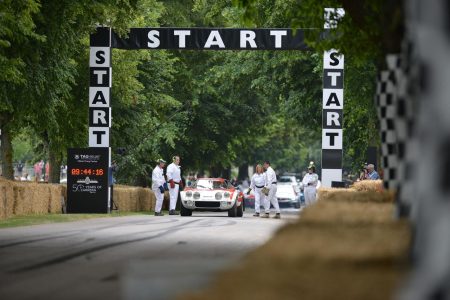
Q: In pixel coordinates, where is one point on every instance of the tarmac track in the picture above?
(134, 257)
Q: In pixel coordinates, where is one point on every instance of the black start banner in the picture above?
(207, 39)
(87, 180)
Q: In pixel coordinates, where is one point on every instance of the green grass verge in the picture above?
(59, 218)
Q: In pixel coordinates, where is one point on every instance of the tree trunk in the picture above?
(215, 171)
(6, 153)
(226, 173)
(54, 158)
(243, 171)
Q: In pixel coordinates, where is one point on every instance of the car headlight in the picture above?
(196, 195)
(226, 195)
(189, 194)
(218, 196)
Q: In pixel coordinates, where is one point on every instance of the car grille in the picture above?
(207, 204)
(285, 199)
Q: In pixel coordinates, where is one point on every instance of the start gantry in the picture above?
(211, 39)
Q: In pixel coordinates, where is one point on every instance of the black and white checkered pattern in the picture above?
(386, 103)
(405, 129)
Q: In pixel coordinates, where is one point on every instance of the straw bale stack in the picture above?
(352, 195)
(147, 199)
(6, 198)
(25, 198)
(56, 193)
(129, 198)
(368, 186)
(350, 213)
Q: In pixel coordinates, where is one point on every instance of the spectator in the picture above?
(371, 173)
(47, 171)
(310, 182)
(19, 168)
(38, 170)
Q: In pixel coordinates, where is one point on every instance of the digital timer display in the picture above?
(91, 172)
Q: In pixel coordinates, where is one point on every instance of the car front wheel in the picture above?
(232, 212)
(240, 210)
(184, 212)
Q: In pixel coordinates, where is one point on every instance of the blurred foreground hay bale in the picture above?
(347, 246)
(352, 195)
(368, 186)
(131, 198)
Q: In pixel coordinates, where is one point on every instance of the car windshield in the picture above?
(210, 184)
(285, 179)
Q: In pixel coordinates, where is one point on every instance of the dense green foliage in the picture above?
(215, 109)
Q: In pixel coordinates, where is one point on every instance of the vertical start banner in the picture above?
(332, 106)
(87, 180)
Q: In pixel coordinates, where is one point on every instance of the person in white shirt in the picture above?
(175, 183)
(271, 185)
(158, 185)
(310, 184)
(257, 182)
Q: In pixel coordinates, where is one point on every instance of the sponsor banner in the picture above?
(87, 180)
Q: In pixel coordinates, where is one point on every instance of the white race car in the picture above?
(212, 194)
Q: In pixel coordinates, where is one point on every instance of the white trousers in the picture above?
(310, 195)
(259, 198)
(159, 199)
(272, 198)
(173, 196)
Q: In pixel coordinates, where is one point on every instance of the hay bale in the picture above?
(368, 186)
(130, 198)
(56, 192)
(153, 200)
(22, 194)
(352, 195)
(146, 199)
(134, 199)
(333, 242)
(119, 197)
(41, 199)
(64, 194)
(351, 213)
(6, 198)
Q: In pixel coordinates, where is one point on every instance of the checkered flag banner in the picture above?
(386, 103)
(428, 189)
